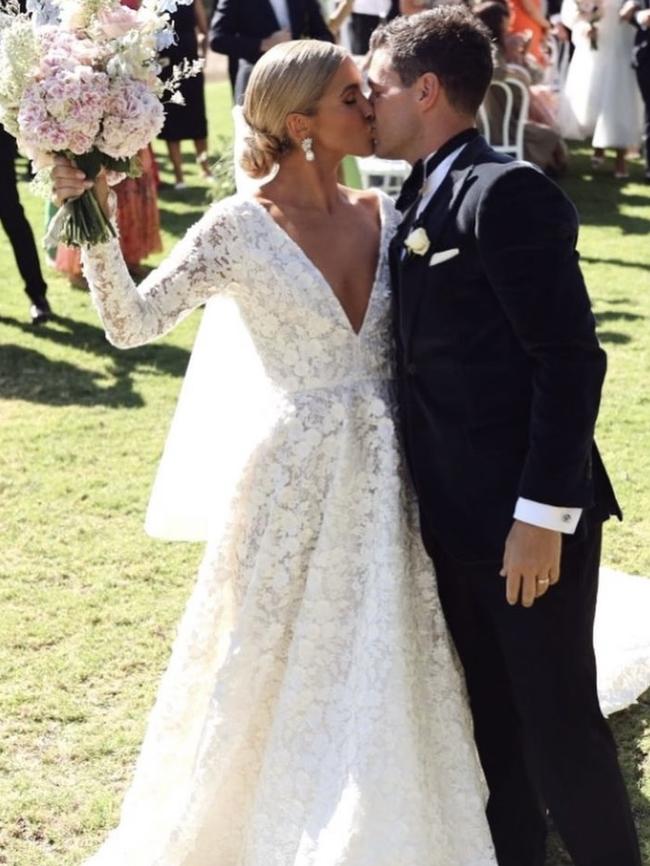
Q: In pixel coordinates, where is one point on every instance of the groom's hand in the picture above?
(531, 562)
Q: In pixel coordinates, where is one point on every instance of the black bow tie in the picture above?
(422, 170)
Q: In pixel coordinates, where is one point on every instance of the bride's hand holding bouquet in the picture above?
(86, 89)
(69, 182)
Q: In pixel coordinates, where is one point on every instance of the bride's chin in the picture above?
(366, 150)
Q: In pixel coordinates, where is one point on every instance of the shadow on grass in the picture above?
(28, 374)
(614, 338)
(617, 316)
(612, 317)
(600, 196)
(604, 210)
(594, 260)
(197, 197)
(197, 200)
(176, 223)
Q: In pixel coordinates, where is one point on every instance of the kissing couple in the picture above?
(387, 657)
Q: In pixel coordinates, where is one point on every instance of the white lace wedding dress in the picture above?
(312, 713)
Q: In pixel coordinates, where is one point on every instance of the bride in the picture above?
(312, 713)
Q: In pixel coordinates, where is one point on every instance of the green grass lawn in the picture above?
(89, 603)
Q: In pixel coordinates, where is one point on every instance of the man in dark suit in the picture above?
(637, 12)
(19, 232)
(248, 28)
(500, 374)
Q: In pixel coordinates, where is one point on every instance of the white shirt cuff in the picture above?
(637, 18)
(548, 516)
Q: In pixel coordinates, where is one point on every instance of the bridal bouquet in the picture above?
(591, 12)
(87, 88)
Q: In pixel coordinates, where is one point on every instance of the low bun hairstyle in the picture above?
(291, 77)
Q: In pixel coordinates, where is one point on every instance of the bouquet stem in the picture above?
(84, 223)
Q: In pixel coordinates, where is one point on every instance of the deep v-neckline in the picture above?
(334, 298)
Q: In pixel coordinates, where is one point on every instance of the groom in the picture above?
(500, 375)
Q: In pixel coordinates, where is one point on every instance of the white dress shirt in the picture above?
(371, 7)
(554, 517)
(281, 9)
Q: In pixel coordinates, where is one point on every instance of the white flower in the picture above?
(418, 242)
(72, 15)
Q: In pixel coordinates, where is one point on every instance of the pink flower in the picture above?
(134, 116)
(118, 21)
(63, 109)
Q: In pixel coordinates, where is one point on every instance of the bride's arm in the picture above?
(200, 265)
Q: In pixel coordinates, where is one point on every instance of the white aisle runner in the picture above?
(622, 639)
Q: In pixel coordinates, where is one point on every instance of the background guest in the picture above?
(187, 121)
(18, 230)
(637, 12)
(366, 16)
(601, 96)
(543, 146)
(385, 10)
(528, 18)
(412, 7)
(339, 15)
(248, 28)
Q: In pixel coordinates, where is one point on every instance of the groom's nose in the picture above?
(366, 107)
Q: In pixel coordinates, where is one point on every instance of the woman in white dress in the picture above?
(601, 99)
(312, 713)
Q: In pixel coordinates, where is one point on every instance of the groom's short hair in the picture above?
(448, 41)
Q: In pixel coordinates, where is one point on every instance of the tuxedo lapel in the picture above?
(411, 273)
(415, 275)
(442, 205)
(449, 192)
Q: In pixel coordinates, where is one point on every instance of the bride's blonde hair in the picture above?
(291, 77)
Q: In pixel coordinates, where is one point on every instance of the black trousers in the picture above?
(361, 29)
(643, 77)
(19, 232)
(244, 71)
(542, 740)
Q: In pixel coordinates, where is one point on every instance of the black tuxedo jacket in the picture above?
(642, 43)
(8, 150)
(239, 26)
(499, 368)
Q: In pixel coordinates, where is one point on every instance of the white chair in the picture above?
(515, 114)
(483, 123)
(386, 174)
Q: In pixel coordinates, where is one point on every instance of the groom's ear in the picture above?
(427, 90)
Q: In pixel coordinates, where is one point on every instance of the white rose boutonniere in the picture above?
(418, 242)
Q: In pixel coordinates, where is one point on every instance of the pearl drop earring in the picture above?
(307, 145)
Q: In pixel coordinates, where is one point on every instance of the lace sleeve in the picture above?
(201, 265)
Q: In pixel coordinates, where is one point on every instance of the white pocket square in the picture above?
(443, 256)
